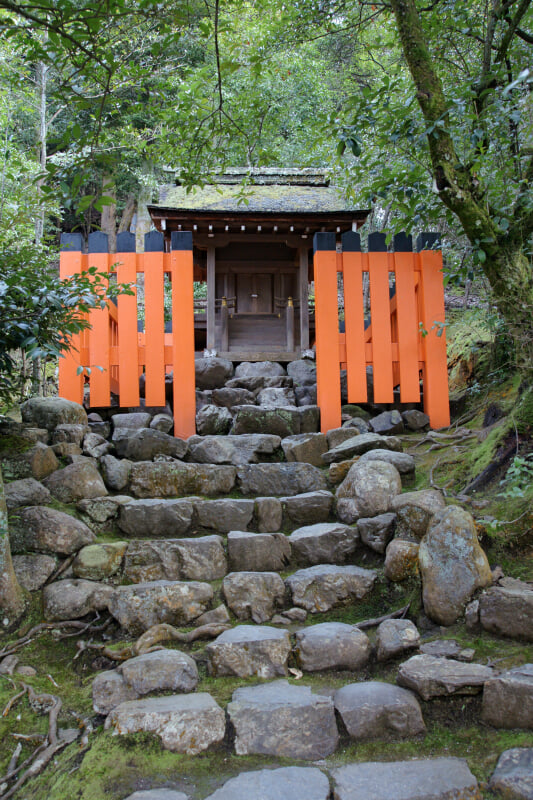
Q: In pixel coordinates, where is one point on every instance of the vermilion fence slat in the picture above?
(431, 300)
(128, 374)
(70, 382)
(327, 331)
(354, 321)
(100, 392)
(378, 270)
(154, 298)
(407, 327)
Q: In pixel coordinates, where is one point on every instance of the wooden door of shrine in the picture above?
(254, 293)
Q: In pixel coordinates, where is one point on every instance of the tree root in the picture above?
(45, 627)
(375, 621)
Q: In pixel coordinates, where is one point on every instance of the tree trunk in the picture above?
(109, 212)
(127, 215)
(12, 599)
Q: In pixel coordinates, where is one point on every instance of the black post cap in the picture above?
(324, 240)
(402, 243)
(377, 243)
(72, 242)
(126, 242)
(98, 242)
(351, 242)
(428, 241)
(181, 240)
(154, 242)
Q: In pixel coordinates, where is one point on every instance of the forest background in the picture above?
(422, 111)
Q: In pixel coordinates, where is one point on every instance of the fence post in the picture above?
(290, 325)
(154, 319)
(431, 303)
(354, 317)
(128, 350)
(327, 331)
(406, 319)
(378, 273)
(183, 334)
(70, 261)
(100, 380)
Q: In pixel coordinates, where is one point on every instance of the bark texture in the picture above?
(12, 599)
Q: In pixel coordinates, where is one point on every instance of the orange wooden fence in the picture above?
(404, 340)
(112, 351)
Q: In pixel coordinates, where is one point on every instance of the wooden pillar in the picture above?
(70, 263)
(327, 331)
(183, 334)
(224, 333)
(304, 298)
(290, 325)
(211, 291)
(154, 318)
(354, 317)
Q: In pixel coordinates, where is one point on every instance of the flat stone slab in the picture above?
(224, 515)
(278, 719)
(157, 794)
(187, 723)
(508, 699)
(513, 776)
(296, 783)
(325, 586)
(428, 779)
(359, 444)
(237, 450)
(507, 610)
(258, 552)
(431, 676)
(280, 479)
(136, 608)
(202, 558)
(150, 479)
(332, 645)
(308, 508)
(248, 650)
(323, 543)
(156, 518)
(373, 710)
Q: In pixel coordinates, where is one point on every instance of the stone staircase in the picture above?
(260, 533)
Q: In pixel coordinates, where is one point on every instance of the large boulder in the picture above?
(508, 699)
(96, 562)
(377, 532)
(269, 514)
(332, 645)
(26, 460)
(280, 479)
(507, 609)
(297, 783)
(264, 369)
(133, 420)
(46, 530)
(109, 690)
(75, 482)
(414, 510)
(386, 423)
(368, 490)
(281, 720)
(323, 543)
(255, 595)
(162, 479)
(199, 559)
(246, 449)
(279, 397)
(401, 560)
(232, 397)
(160, 671)
(425, 779)
(395, 637)
(212, 373)
(246, 651)
(49, 412)
(375, 710)
(72, 599)
(33, 570)
(156, 518)
(115, 472)
(452, 564)
(431, 676)
(186, 723)
(224, 515)
(145, 444)
(26, 492)
(320, 588)
(68, 432)
(256, 419)
(136, 608)
(258, 552)
(404, 463)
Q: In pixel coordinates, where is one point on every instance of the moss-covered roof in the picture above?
(265, 199)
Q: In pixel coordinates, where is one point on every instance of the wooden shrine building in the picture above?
(252, 244)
